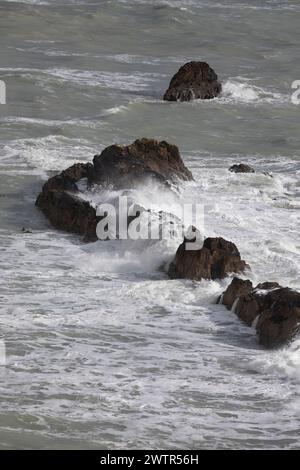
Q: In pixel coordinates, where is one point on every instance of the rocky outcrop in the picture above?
(215, 260)
(276, 310)
(62, 206)
(125, 166)
(241, 168)
(194, 80)
(117, 166)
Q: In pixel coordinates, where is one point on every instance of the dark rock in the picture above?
(241, 168)
(279, 321)
(118, 166)
(64, 209)
(70, 213)
(237, 288)
(248, 307)
(77, 171)
(215, 260)
(277, 327)
(267, 286)
(126, 166)
(194, 80)
(67, 179)
(277, 309)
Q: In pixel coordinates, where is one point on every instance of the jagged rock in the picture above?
(277, 309)
(64, 209)
(77, 171)
(117, 166)
(237, 288)
(242, 168)
(26, 230)
(126, 166)
(194, 80)
(215, 260)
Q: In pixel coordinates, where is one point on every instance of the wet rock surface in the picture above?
(194, 80)
(242, 168)
(215, 260)
(276, 309)
(126, 166)
(63, 207)
(118, 167)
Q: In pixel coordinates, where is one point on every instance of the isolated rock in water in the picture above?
(277, 310)
(117, 166)
(241, 168)
(194, 80)
(126, 166)
(215, 260)
(64, 209)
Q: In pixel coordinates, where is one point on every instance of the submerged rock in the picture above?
(194, 80)
(215, 260)
(276, 309)
(242, 168)
(26, 230)
(117, 166)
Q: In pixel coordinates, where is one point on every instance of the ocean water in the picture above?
(102, 350)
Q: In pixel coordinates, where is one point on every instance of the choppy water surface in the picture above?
(103, 351)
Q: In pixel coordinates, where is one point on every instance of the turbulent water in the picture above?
(102, 350)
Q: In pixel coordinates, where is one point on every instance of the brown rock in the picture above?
(194, 80)
(277, 309)
(237, 288)
(280, 321)
(241, 168)
(77, 171)
(117, 165)
(250, 305)
(215, 260)
(126, 166)
(267, 286)
(248, 308)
